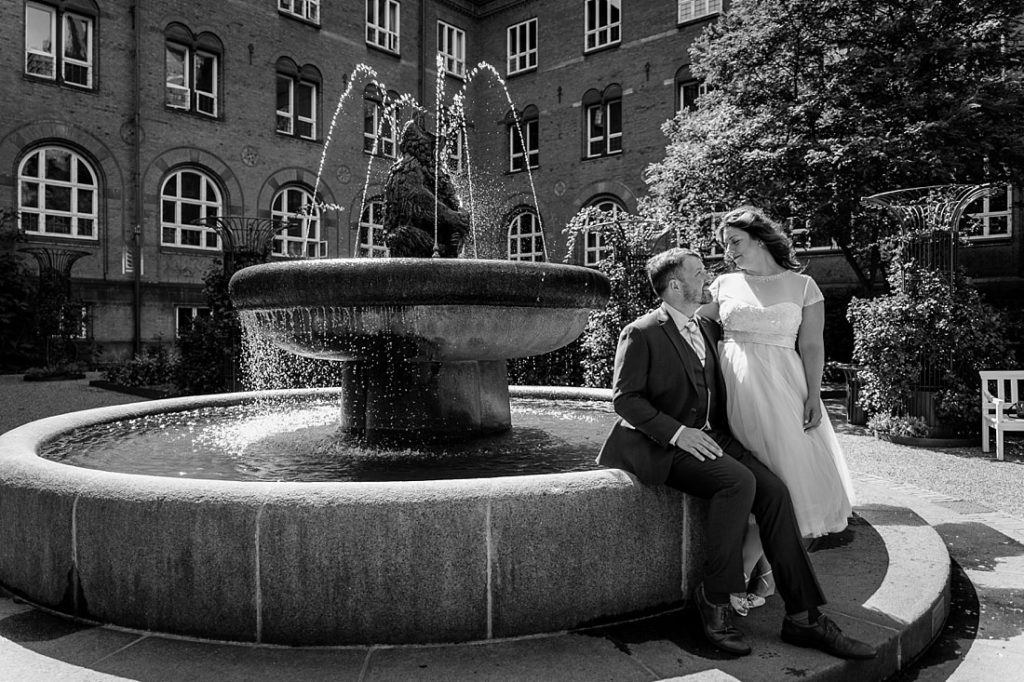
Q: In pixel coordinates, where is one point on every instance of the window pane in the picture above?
(190, 185)
(58, 165)
(175, 64)
(76, 37)
(57, 198)
(206, 72)
(29, 195)
(58, 224)
(305, 101)
(85, 227)
(190, 213)
(85, 201)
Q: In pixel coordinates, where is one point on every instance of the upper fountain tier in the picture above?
(440, 309)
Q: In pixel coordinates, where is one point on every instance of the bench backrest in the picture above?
(1007, 385)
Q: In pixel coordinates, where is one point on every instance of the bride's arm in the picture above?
(811, 344)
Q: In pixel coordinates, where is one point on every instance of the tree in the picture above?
(18, 346)
(814, 104)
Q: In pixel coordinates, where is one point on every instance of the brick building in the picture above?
(128, 122)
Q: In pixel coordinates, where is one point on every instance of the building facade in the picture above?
(130, 126)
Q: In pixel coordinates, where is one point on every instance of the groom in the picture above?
(669, 394)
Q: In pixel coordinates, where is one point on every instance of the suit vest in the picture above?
(707, 385)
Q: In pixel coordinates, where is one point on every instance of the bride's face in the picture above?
(740, 248)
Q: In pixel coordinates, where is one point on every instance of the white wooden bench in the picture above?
(1001, 391)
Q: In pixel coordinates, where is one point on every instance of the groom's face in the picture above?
(693, 280)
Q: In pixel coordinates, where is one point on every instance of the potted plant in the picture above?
(919, 349)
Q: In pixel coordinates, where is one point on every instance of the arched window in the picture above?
(187, 198)
(57, 194)
(371, 230)
(297, 99)
(523, 139)
(595, 247)
(602, 123)
(295, 206)
(192, 71)
(380, 122)
(525, 237)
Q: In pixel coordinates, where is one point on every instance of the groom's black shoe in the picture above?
(718, 628)
(825, 636)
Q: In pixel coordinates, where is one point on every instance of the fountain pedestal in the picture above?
(408, 401)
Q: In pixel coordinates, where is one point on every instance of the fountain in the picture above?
(423, 342)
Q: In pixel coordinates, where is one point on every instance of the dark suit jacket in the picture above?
(654, 392)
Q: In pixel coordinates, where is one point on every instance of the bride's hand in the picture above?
(812, 413)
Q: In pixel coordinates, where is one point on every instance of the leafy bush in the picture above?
(909, 427)
(929, 332)
(156, 367)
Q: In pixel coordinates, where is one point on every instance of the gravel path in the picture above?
(962, 473)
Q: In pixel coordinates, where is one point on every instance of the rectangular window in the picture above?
(179, 84)
(206, 84)
(382, 24)
(303, 9)
(603, 23)
(191, 80)
(296, 107)
(991, 216)
(379, 135)
(689, 10)
(285, 105)
(604, 128)
(451, 43)
(77, 63)
(520, 157)
(40, 41)
(186, 315)
(521, 42)
(71, 45)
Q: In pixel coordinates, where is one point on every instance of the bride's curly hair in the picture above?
(761, 228)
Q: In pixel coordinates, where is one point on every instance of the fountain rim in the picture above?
(397, 282)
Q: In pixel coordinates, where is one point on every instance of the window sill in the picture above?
(190, 250)
(51, 238)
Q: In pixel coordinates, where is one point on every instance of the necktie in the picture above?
(691, 332)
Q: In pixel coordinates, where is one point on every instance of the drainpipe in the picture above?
(421, 72)
(136, 215)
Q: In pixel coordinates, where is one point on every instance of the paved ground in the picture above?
(974, 503)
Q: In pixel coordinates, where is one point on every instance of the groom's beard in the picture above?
(699, 297)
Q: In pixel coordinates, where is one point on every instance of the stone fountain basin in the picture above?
(336, 563)
(425, 309)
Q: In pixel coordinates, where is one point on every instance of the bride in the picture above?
(772, 359)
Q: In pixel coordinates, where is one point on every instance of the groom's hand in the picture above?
(812, 413)
(697, 443)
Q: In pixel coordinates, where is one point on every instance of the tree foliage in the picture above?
(814, 104)
(629, 239)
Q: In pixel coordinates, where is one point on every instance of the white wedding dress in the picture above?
(766, 390)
